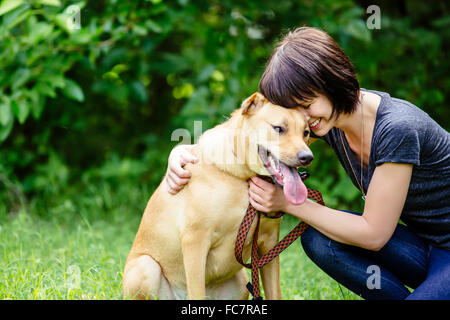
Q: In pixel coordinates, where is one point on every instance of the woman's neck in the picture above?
(364, 116)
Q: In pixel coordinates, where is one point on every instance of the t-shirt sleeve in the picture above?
(398, 142)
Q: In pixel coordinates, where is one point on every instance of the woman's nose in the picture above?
(305, 113)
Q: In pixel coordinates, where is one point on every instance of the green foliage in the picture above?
(97, 104)
(88, 105)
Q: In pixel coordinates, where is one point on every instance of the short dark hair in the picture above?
(307, 62)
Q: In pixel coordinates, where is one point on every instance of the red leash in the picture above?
(259, 262)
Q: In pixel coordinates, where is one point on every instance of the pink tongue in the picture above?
(293, 187)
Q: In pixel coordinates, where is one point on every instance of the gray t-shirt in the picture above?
(403, 133)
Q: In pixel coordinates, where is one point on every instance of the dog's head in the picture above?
(276, 143)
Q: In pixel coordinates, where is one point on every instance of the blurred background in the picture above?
(91, 91)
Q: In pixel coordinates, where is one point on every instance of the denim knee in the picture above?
(316, 246)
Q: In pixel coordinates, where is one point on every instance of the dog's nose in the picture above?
(305, 157)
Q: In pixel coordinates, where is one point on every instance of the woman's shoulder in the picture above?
(404, 131)
(398, 109)
(397, 115)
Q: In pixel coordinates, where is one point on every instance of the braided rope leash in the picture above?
(259, 262)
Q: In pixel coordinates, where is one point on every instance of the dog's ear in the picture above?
(252, 103)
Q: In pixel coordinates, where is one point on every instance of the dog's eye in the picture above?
(306, 133)
(278, 129)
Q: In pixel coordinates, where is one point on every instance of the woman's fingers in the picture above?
(176, 180)
(177, 177)
(261, 183)
(178, 171)
(264, 189)
(175, 184)
(256, 197)
(256, 204)
(187, 157)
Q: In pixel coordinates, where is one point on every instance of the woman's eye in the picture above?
(307, 106)
(278, 129)
(306, 133)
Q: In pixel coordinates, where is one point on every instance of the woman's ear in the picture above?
(252, 103)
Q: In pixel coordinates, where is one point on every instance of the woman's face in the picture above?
(318, 114)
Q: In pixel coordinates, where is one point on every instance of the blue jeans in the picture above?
(404, 260)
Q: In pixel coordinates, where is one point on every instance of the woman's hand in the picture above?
(266, 197)
(177, 177)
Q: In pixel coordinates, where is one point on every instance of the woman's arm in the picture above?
(385, 200)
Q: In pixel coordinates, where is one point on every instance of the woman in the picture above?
(394, 153)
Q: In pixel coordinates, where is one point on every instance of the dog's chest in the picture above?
(221, 262)
(220, 210)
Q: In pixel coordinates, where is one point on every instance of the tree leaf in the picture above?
(139, 91)
(358, 29)
(21, 109)
(37, 103)
(154, 26)
(8, 5)
(12, 18)
(54, 3)
(45, 89)
(73, 91)
(20, 77)
(5, 130)
(5, 113)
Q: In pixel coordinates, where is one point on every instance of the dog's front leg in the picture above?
(270, 276)
(270, 273)
(195, 250)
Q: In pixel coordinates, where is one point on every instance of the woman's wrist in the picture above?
(293, 209)
(296, 210)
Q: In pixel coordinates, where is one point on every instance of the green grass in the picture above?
(46, 260)
(77, 250)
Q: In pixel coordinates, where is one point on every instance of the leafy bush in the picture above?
(98, 104)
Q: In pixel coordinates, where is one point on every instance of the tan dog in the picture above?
(184, 247)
